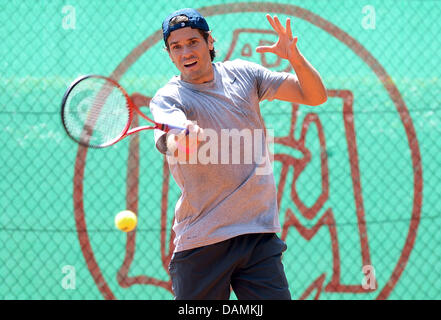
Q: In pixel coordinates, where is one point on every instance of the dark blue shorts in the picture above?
(249, 264)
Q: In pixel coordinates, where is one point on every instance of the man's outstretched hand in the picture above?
(286, 46)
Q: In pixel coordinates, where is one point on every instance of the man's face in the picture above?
(191, 54)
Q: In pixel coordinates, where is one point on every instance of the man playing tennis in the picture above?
(226, 219)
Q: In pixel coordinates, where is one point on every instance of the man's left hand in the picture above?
(286, 46)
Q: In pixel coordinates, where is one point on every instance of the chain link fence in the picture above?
(358, 177)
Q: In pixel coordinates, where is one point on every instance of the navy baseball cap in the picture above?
(195, 20)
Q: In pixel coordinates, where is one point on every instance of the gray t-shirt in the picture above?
(221, 198)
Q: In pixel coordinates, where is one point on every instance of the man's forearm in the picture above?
(310, 81)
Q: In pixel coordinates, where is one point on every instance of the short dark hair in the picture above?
(205, 34)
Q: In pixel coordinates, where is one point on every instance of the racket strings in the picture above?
(96, 112)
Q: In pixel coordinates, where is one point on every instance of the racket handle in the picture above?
(168, 127)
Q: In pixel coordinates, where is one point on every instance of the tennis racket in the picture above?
(97, 112)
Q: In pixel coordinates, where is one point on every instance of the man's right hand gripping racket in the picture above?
(97, 112)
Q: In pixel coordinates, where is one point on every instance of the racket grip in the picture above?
(168, 127)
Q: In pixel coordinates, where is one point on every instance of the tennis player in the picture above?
(226, 218)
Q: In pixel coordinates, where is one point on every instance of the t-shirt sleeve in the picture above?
(267, 81)
(167, 110)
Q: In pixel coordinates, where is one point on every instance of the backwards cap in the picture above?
(195, 20)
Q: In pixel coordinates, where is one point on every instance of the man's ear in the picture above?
(210, 40)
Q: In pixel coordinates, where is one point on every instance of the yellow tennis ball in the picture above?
(126, 220)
